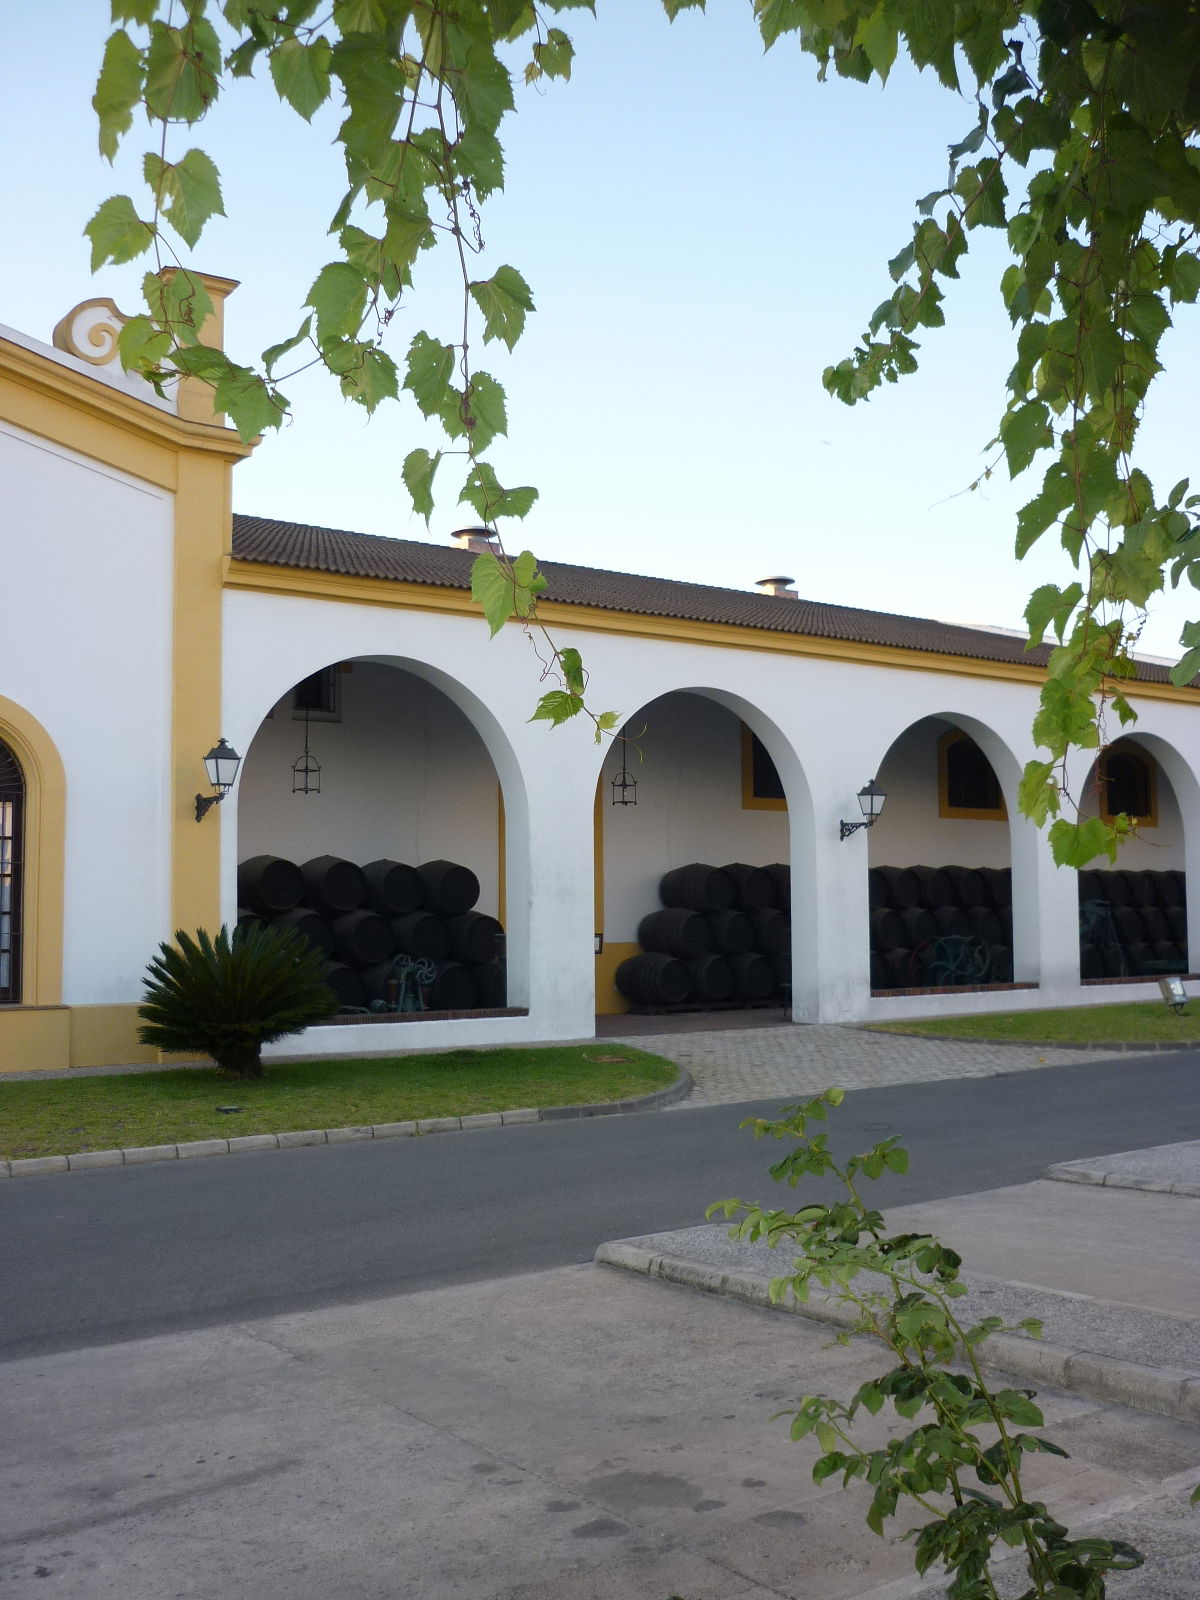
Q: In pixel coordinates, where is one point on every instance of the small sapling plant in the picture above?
(961, 1464)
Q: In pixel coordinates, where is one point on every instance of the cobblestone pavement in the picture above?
(767, 1063)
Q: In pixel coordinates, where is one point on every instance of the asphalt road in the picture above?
(97, 1257)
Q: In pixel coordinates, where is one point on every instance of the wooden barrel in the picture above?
(346, 984)
(653, 979)
(451, 989)
(781, 964)
(753, 976)
(269, 885)
(1116, 964)
(333, 886)
(1166, 891)
(997, 885)
(880, 978)
(676, 932)
(710, 977)
(1141, 889)
(362, 938)
(448, 889)
(1092, 887)
(393, 889)
(474, 938)
(249, 919)
(985, 925)
(375, 980)
(1177, 923)
(421, 934)
(967, 885)
(920, 926)
(1001, 962)
(1168, 950)
(1155, 924)
(311, 924)
(901, 971)
(878, 894)
(1128, 923)
(936, 887)
(903, 889)
(1091, 961)
(491, 984)
(772, 931)
(780, 874)
(1180, 881)
(697, 887)
(951, 922)
(732, 932)
(751, 886)
(887, 930)
(1138, 956)
(1116, 888)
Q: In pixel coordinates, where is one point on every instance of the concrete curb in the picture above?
(1117, 1048)
(1163, 1391)
(139, 1155)
(1105, 1177)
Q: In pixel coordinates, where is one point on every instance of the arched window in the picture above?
(1127, 784)
(12, 807)
(967, 785)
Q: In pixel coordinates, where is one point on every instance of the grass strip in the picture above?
(57, 1116)
(1141, 1022)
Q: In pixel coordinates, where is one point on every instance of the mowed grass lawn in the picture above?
(58, 1116)
(1145, 1022)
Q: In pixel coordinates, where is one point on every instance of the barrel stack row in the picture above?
(1132, 924)
(723, 937)
(940, 926)
(361, 918)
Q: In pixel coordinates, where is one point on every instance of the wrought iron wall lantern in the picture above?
(221, 764)
(624, 788)
(870, 803)
(306, 772)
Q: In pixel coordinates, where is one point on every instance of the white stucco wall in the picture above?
(689, 806)
(85, 648)
(404, 775)
(910, 831)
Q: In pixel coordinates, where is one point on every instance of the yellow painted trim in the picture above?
(264, 578)
(610, 1002)
(106, 1036)
(44, 854)
(501, 859)
(1127, 747)
(751, 801)
(945, 809)
(34, 1038)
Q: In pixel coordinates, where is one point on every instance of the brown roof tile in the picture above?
(362, 555)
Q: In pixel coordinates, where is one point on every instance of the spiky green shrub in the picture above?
(229, 996)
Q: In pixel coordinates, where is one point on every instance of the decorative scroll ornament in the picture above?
(94, 323)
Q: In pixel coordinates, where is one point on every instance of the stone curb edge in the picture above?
(1105, 1178)
(140, 1155)
(1163, 1391)
(1119, 1047)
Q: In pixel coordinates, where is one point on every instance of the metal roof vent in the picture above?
(478, 539)
(781, 587)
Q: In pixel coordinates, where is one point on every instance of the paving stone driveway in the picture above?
(767, 1063)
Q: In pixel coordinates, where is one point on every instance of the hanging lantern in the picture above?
(306, 772)
(624, 788)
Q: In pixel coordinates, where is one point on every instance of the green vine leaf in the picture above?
(339, 298)
(557, 707)
(117, 232)
(118, 91)
(418, 474)
(505, 299)
(301, 74)
(189, 192)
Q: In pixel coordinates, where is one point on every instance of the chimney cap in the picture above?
(477, 538)
(777, 586)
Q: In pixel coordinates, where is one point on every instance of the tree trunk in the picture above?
(243, 1061)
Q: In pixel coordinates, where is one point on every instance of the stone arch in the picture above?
(797, 833)
(42, 889)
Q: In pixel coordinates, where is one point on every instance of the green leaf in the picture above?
(133, 10)
(430, 366)
(1024, 432)
(1050, 604)
(275, 353)
(183, 67)
(491, 588)
(339, 298)
(483, 491)
(571, 664)
(605, 723)
(1075, 844)
(486, 410)
(118, 90)
(142, 344)
(504, 299)
(557, 707)
(371, 378)
(117, 232)
(418, 473)
(301, 74)
(189, 192)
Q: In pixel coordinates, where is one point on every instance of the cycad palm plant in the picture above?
(229, 996)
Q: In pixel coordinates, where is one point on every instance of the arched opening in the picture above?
(1133, 917)
(379, 796)
(694, 885)
(940, 881)
(12, 838)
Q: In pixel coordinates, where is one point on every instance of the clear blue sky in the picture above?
(705, 228)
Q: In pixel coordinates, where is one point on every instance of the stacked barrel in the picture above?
(1132, 924)
(940, 926)
(722, 938)
(361, 918)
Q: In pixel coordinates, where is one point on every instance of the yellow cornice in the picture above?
(307, 584)
(81, 394)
